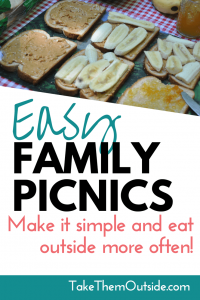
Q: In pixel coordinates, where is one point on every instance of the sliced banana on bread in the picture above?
(102, 32)
(173, 39)
(110, 56)
(115, 17)
(116, 37)
(136, 37)
(174, 65)
(107, 79)
(98, 81)
(91, 53)
(155, 59)
(189, 72)
(127, 38)
(90, 72)
(196, 51)
(165, 48)
(182, 55)
(71, 70)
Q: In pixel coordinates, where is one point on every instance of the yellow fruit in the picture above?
(167, 6)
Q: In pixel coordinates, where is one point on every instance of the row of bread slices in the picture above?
(120, 39)
(182, 64)
(87, 71)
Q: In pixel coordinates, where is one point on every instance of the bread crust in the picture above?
(139, 82)
(87, 93)
(163, 74)
(65, 91)
(19, 68)
(133, 54)
(65, 30)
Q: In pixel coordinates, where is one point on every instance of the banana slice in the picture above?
(131, 41)
(90, 72)
(174, 65)
(70, 70)
(91, 53)
(183, 53)
(165, 48)
(155, 59)
(116, 37)
(190, 71)
(115, 17)
(101, 33)
(110, 56)
(108, 78)
(174, 39)
(196, 51)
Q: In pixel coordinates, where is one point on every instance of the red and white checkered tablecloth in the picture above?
(11, 84)
(139, 9)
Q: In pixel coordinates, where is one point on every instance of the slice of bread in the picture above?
(164, 73)
(73, 18)
(133, 54)
(34, 54)
(150, 92)
(71, 90)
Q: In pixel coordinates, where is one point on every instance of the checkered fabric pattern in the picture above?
(11, 84)
(138, 9)
(142, 10)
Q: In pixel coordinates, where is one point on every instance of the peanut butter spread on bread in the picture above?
(74, 15)
(35, 52)
(156, 95)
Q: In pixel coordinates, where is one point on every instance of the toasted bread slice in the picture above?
(73, 18)
(34, 54)
(164, 73)
(150, 92)
(133, 54)
(71, 89)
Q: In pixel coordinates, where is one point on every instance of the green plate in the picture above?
(48, 86)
